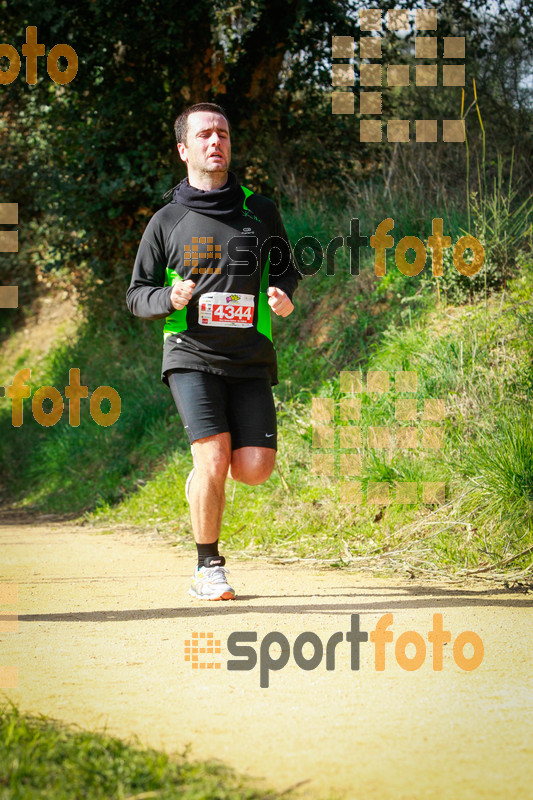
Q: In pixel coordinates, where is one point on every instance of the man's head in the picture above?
(203, 140)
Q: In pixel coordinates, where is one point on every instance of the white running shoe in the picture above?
(209, 582)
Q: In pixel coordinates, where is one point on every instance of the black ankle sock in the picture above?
(205, 550)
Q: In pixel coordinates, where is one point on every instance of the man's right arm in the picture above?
(147, 296)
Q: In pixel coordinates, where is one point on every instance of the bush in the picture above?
(501, 474)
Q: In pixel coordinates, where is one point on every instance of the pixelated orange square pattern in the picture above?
(397, 75)
(202, 248)
(202, 644)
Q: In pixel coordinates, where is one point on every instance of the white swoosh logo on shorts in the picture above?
(269, 434)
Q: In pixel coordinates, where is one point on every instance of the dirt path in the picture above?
(103, 620)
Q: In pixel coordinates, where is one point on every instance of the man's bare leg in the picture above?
(212, 456)
(206, 491)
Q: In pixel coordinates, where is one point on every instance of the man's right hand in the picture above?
(181, 293)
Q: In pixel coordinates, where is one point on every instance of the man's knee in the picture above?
(213, 455)
(252, 465)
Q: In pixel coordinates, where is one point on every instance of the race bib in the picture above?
(226, 310)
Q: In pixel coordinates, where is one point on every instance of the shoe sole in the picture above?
(223, 596)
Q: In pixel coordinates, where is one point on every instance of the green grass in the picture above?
(474, 360)
(42, 759)
(501, 466)
(64, 468)
(476, 357)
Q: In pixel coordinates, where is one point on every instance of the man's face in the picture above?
(208, 147)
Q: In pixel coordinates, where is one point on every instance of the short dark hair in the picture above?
(182, 120)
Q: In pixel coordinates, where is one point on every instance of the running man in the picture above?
(214, 261)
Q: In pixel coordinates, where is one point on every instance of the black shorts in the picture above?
(210, 404)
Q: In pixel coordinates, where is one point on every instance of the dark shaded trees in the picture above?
(88, 162)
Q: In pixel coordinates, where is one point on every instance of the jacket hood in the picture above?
(223, 203)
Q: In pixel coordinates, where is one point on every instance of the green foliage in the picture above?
(89, 161)
(45, 465)
(42, 759)
(134, 471)
(460, 362)
(503, 223)
(500, 466)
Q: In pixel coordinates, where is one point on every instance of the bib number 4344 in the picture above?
(238, 313)
(228, 310)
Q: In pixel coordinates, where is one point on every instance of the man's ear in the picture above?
(182, 150)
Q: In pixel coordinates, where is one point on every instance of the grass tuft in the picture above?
(42, 759)
(501, 474)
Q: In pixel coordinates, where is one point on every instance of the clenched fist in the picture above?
(181, 293)
(279, 302)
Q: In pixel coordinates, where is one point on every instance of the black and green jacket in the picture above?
(245, 250)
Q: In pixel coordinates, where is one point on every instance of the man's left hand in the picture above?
(279, 302)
